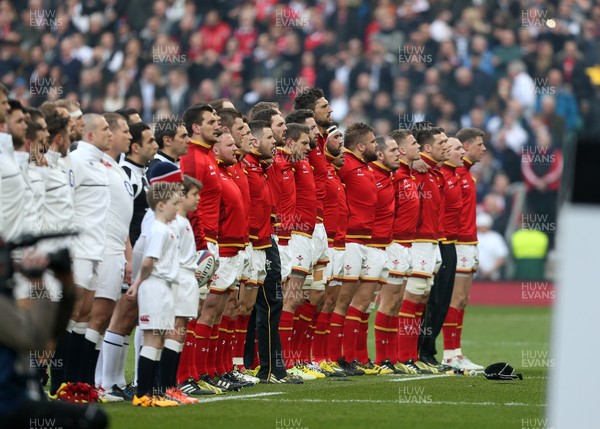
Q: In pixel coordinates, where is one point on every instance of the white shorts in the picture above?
(423, 259)
(247, 268)
(320, 245)
(467, 258)
(155, 303)
(258, 271)
(110, 277)
(85, 273)
(334, 271)
(228, 274)
(365, 263)
(399, 263)
(301, 253)
(186, 294)
(286, 261)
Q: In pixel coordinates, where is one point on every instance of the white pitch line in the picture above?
(382, 401)
(420, 377)
(233, 398)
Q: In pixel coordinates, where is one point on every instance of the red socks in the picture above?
(187, 364)
(406, 323)
(336, 336)
(386, 333)
(211, 360)
(307, 315)
(241, 326)
(319, 347)
(286, 326)
(362, 354)
(351, 333)
(202, 348)
(449, 328)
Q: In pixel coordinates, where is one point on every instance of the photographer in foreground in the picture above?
(23, 403)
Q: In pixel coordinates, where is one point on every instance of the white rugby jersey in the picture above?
(12, 189)
(59, 184)
(34, 194)
(121, 207)
(91, 202)
(187, 243)
(161, 244)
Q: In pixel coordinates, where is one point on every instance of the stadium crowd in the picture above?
(498, 66)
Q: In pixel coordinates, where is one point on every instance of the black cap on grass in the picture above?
(501, 371)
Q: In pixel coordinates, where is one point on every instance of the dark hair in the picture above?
(355, 133)
(34, 113)
(57, 124)
(189, 183)
(194, 115)
(262, 105)
(256, 127)
(307, 99)
(126, 112)
(3, 89)
(136, 131)
(294, 131)
(15, 105)
(424, 135)
(265, 115)
(228, 117)
(32, 129)
(467, 135)
(165, 128)
(299, 116)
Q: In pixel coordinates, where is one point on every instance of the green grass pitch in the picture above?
(517, 335)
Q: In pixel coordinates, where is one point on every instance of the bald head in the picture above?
(96, 131)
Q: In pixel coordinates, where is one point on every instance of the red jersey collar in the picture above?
(467, 163)
(380, 166)
(202, 144)
(350, 153)
(428, 160)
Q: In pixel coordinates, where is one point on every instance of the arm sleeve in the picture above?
(154, 243)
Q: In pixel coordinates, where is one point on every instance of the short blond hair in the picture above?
(161, 192)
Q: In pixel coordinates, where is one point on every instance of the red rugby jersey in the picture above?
(316, 158)
(335, 209)
(407, 204)
(232, 232)
(305, 216)
(199, 162)
(260, 203)
(361, 196)
(240, 177)
(467, 233)
(452, 201)
(283, 186)
(384, 210)
(428, 186)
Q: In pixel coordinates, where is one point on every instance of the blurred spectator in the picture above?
(542, 171)
(492, 250)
